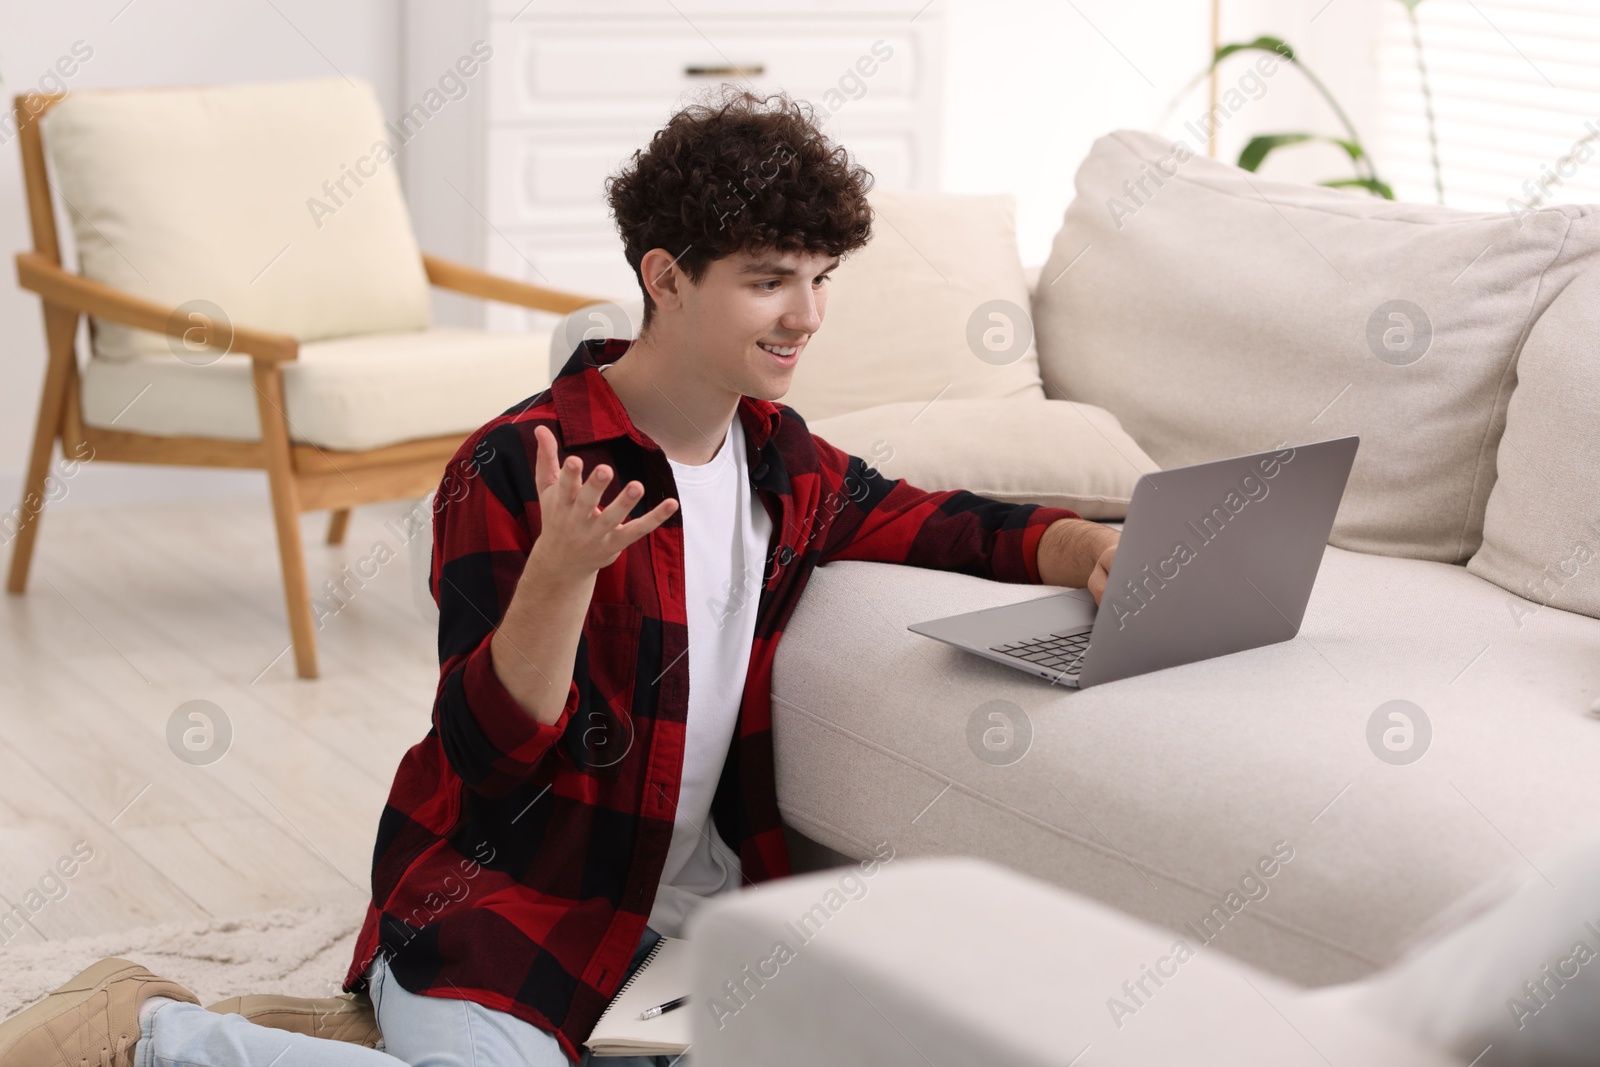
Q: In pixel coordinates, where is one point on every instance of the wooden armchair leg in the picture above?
(337, 524)
(286, 516)
(22, 527)
(291, 556)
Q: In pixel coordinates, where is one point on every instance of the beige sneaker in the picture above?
(346, 1017)
(91, 1019)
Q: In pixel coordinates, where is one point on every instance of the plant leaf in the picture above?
(1256, 151)
(1411, 5)
(1371, 185)
(1353, 150)
(1261, 44)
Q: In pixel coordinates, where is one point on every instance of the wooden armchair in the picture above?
(302, 476)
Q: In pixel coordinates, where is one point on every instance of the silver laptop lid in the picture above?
(1217, 558)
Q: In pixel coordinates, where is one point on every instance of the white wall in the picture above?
(155, 42)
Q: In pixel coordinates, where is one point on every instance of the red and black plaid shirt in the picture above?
(516, 863)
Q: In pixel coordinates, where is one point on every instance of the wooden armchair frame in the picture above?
(301, 477)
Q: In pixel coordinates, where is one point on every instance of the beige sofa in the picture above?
(1210, 312)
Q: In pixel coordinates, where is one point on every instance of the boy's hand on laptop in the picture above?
(1102, 567)
(1077, 553)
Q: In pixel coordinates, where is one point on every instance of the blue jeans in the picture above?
(418, 1031)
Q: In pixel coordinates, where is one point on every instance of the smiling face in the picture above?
(748, 305)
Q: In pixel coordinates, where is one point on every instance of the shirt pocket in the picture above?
(600, 735)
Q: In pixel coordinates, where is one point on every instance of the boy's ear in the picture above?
(662, 278)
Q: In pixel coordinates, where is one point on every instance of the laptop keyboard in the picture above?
(1058, 652)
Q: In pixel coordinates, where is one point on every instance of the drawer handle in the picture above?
(725, 72)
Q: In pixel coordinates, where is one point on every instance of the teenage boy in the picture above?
(614, 570)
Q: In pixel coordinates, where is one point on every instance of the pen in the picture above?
(651, 1013)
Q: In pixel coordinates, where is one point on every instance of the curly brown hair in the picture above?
(737, 175)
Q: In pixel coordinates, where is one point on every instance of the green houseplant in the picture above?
(1366, 175)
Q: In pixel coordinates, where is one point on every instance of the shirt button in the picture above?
(761, 469)
(786, 555)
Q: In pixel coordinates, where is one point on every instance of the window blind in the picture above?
(1516, 96)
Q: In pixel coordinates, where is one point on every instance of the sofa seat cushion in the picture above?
(1157, 794)
(348, 394)
(276, 203)
(1218, 313)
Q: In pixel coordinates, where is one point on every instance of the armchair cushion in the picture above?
(277, 203)
(351, 393)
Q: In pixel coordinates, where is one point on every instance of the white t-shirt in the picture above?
(726, 533)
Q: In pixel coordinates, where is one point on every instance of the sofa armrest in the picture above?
(950, 960)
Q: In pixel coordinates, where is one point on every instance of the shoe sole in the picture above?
(65, 997)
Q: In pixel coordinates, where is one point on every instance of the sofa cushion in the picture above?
(1217, 313)
(256, 199)
(1541, 533)
(1156, 794)
(943, 961)
(353, 393)
(1049, 452)
(1461, 986)
(936, 305)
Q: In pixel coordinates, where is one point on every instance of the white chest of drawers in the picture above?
(508, 169)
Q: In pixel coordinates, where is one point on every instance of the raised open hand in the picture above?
(577, 536)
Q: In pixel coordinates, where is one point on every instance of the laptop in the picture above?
(1215, 558)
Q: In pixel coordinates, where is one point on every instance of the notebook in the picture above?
(662, 976)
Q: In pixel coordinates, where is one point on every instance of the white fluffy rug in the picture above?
(301, 952)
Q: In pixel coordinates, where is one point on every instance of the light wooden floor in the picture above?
(130, 612)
